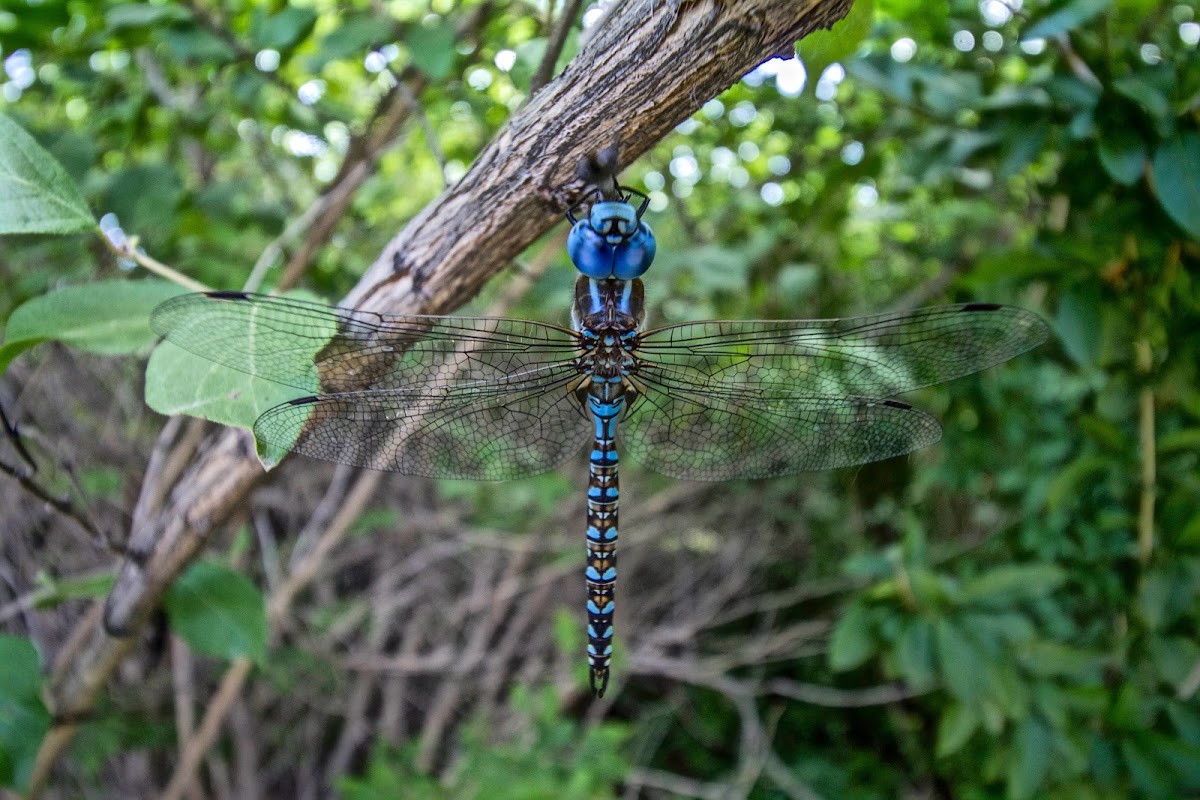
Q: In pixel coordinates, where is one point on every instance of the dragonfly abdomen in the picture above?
(602, 500)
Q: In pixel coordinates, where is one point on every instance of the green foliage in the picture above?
(24, 719)
(218, 612)
(547, 758)
(1046, 636)
(36, 194)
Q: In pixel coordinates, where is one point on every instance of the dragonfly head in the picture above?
(612, 242)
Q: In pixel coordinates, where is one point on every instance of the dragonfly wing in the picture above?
(876, 356)
(494, 431)
(324, 349)
(451, 397)
(763, 432)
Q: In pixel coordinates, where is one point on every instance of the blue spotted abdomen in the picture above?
(602, 501)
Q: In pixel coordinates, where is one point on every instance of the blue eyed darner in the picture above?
(494, 399)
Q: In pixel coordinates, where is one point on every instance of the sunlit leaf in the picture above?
(821, 48)
(109, 317)
(36, 194)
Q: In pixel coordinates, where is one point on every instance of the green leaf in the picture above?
(821, 48)
(144, 198)
(955, 729)
(24, 719)
(350, 40)
(1013, 582)
(109, 318)
(1184, 441)
(180, 382)
(852, 642)
(1030, 759)
(282, 31)
(1122, 154)
(1064, 17)
(432, 48)
(1146, 90)
(218, 612)
(915, 654)
(197, 44)
(36, 194)
(1078, 326)
(145, 15)
(958, 661)
(1176, 167)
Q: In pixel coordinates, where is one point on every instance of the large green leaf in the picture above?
(36, 194)
(181, 382)
(110, 318)
(24, 719)
(218, 612)
(1177, 180)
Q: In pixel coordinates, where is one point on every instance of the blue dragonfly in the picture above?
(496, 399)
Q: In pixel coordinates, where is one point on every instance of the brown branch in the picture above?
(630, 84)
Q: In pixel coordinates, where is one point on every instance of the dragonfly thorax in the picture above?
(612, 242)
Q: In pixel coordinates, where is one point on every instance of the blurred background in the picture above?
(1011, 613)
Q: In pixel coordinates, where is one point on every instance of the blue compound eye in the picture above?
(611, 243)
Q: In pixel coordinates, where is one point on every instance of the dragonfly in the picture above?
(497, 399)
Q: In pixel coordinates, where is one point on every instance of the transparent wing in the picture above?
(451, 397)
(765, 432)
(484, 432)
(325, 349)
(758, 399)
(876, 356)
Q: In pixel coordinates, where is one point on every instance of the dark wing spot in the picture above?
(897, 404)
(982, 307)
(227, 295)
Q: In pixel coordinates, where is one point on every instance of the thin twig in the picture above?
(554, 47)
